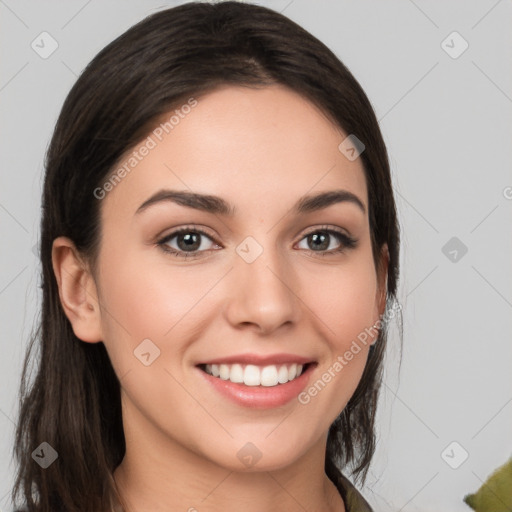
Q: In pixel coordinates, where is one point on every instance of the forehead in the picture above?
(262, 148)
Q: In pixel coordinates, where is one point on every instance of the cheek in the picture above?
(148, 298)
(143, 300)
(343, 299)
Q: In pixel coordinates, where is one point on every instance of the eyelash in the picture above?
(346, 242)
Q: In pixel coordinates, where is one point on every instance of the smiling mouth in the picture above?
(253, 375)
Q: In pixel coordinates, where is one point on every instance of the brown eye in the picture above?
(188, 242)
(328, 241)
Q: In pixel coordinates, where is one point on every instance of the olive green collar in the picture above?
(353, 499)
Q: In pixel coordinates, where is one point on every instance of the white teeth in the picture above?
(293, 371)
(253, 375)
(236, 374)
(269, 376)
(282, 375)
(224, 371)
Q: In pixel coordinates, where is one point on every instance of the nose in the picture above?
(264, 294)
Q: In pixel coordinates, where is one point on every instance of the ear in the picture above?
(382, 279)
(382, 288)
(77, 291)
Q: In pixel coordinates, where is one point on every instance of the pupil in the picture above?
(191, 241)
(324, 243)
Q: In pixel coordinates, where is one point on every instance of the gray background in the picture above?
(446, 122)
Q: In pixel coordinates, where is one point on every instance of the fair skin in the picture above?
(260, 150)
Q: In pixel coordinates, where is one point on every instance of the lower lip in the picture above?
(260, 397)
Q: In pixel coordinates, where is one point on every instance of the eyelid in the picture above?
(326, 227)
(189, 227)
(207, 232)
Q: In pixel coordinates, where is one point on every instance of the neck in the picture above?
(230, 492)
(158, 474)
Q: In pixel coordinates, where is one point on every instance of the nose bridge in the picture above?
(264, 285)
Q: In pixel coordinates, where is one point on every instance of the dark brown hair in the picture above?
(73, 401)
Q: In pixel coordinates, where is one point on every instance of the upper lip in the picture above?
(260, 360)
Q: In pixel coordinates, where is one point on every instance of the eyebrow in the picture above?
(217, 205)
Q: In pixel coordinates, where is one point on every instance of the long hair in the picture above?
(73, 401)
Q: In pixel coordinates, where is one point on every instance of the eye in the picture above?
(189, 242)
(323, 238)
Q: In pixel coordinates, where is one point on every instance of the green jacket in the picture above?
(353, 499)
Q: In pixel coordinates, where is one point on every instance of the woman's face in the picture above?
(270, 280)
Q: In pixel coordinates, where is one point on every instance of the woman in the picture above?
(219, 245)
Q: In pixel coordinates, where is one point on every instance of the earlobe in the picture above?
(77, 291)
